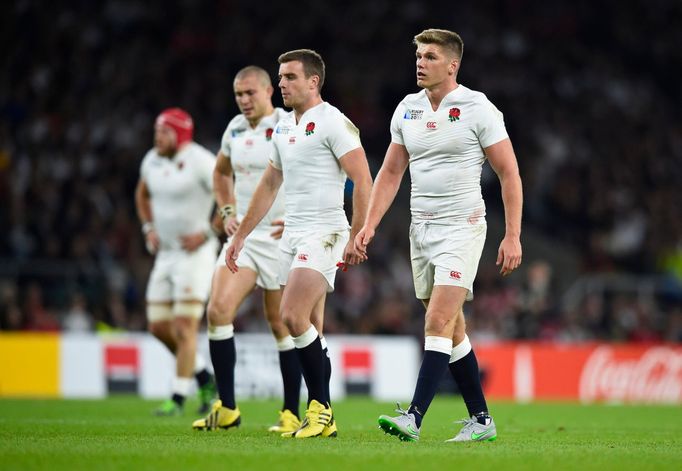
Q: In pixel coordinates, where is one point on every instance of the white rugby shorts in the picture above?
(315, 249)
(260, 254)
(182, 276)
(445, 255)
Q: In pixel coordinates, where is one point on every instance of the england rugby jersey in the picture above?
(446, 152)
(308, 154)
(249, 150)
(181, 192)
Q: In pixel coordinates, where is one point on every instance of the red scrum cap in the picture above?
(178, 120)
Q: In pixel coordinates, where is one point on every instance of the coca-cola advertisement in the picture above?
(591, 372)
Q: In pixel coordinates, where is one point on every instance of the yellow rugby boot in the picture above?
(287, 423)
(317, 417)
(219, 417)
(330, 430)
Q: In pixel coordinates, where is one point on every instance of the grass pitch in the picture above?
(121, 433)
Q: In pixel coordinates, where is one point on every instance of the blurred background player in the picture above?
(315, 148)
(444, 134)
(244, 155)
(174, 203)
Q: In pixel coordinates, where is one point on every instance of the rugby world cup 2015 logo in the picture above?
(413, 114)
(309, 128)
(453, 114)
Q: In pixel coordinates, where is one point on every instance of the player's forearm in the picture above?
(512, 198)
(223, 189)
(362, 190)
(382, 195)
(143, 205)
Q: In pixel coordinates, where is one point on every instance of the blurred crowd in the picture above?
(586, 88)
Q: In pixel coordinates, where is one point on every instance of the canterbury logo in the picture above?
(303, 257)
(456, 275)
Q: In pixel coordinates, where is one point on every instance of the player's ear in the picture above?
(314, 81)
(269, 91)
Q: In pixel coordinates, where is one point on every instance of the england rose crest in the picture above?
(310, 128)
(454, 114)
(268, 134)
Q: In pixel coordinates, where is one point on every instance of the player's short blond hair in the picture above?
(254, 70)
(311, 60)
(444, 38)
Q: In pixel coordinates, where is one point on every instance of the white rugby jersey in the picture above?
(249, 150)
(181, 192)
(446, 152)
(308, 153)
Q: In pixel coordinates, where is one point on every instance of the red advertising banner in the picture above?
(587, 372)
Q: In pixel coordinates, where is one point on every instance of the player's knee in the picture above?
(279, 329)
(438, 322)
(294, 323)
(184, 333)
(219, 312)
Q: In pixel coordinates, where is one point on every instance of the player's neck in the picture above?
(177, 150)
(438, 92)
(300, 110)
(255, 122)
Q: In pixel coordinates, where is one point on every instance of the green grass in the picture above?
(120, 433)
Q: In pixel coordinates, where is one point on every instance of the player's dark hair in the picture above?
(311, 60)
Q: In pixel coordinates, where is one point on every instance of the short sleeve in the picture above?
(275, 158)
(205, 169)
(226, 142)
(343, 136)
(397, 125)
(490, 128)
(144, 167)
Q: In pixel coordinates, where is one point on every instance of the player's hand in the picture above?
(362, 240)
(509, 255)
(351, 256)
(152, 242)
(230, 225)
(191, 242)
(232, 253)
(279, 228)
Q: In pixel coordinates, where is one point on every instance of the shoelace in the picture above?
(401, 411)
(470, 422)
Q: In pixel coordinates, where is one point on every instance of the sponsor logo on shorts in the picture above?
(302, 257)
(456, 275)
(413, 114)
